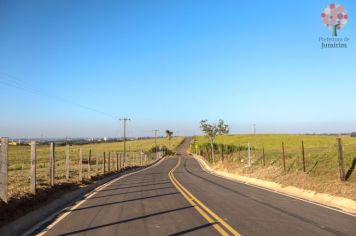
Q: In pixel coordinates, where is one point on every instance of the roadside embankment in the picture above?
(345, 204)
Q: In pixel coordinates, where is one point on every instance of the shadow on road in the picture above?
(185, 232)
(283, 211)
(128, 184)
(120, 202)
(143, 185)
(138, 191)
(127, 220)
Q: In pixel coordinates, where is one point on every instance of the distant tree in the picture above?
(213, 130)
(169, 135)
(353, 134)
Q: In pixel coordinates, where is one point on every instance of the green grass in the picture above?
(322, 173)
(19, 161)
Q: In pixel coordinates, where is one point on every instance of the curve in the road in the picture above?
(177, 197)
(207, 213)
(144, 203)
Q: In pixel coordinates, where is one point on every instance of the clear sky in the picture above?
(169, 64)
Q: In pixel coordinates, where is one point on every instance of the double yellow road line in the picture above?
(219, 224)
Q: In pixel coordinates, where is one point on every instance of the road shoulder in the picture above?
(343, 205)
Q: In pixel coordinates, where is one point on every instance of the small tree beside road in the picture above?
(169, 135)
(213, 130)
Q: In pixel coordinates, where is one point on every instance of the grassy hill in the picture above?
(321, 161)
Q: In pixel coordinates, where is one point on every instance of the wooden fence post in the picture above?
(239, 153)
(120, 161)
(263, 155)
(303, 156)
(117, 162)
(52, 171)
(67, 162)
(341, 159)
(104, 163)
(89, 160)
(283, 157)
(141, 158)
(80, 165)
(109, 163)
(124, 159)
(4, 169)
(97, 162)
(249, 154)
(254, 151)
(33, 167)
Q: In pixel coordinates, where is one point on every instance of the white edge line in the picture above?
(273, 191)
(86, 197)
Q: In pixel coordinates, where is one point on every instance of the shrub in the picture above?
(164, 149)
(217, 147)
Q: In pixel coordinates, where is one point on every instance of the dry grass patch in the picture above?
(321, 161)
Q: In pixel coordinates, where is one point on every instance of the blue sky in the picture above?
(169, 64)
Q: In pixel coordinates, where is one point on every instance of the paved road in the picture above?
(147, 203)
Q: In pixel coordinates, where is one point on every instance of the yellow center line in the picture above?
(208, 214)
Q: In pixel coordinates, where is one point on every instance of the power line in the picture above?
(155, 130)
(14, 82)
(124, 120)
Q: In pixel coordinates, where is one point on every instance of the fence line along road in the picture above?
(286, 159)
(51, 166)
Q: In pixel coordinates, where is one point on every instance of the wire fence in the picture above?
(95, 164)
(317, 160)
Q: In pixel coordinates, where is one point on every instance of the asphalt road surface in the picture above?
(177, 197)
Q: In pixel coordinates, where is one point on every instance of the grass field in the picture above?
(19, 161)
(322, 173)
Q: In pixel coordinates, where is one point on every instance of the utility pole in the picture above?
(124, 120)
(155, 130)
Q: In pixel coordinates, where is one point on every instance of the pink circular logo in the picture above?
(334, 17)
